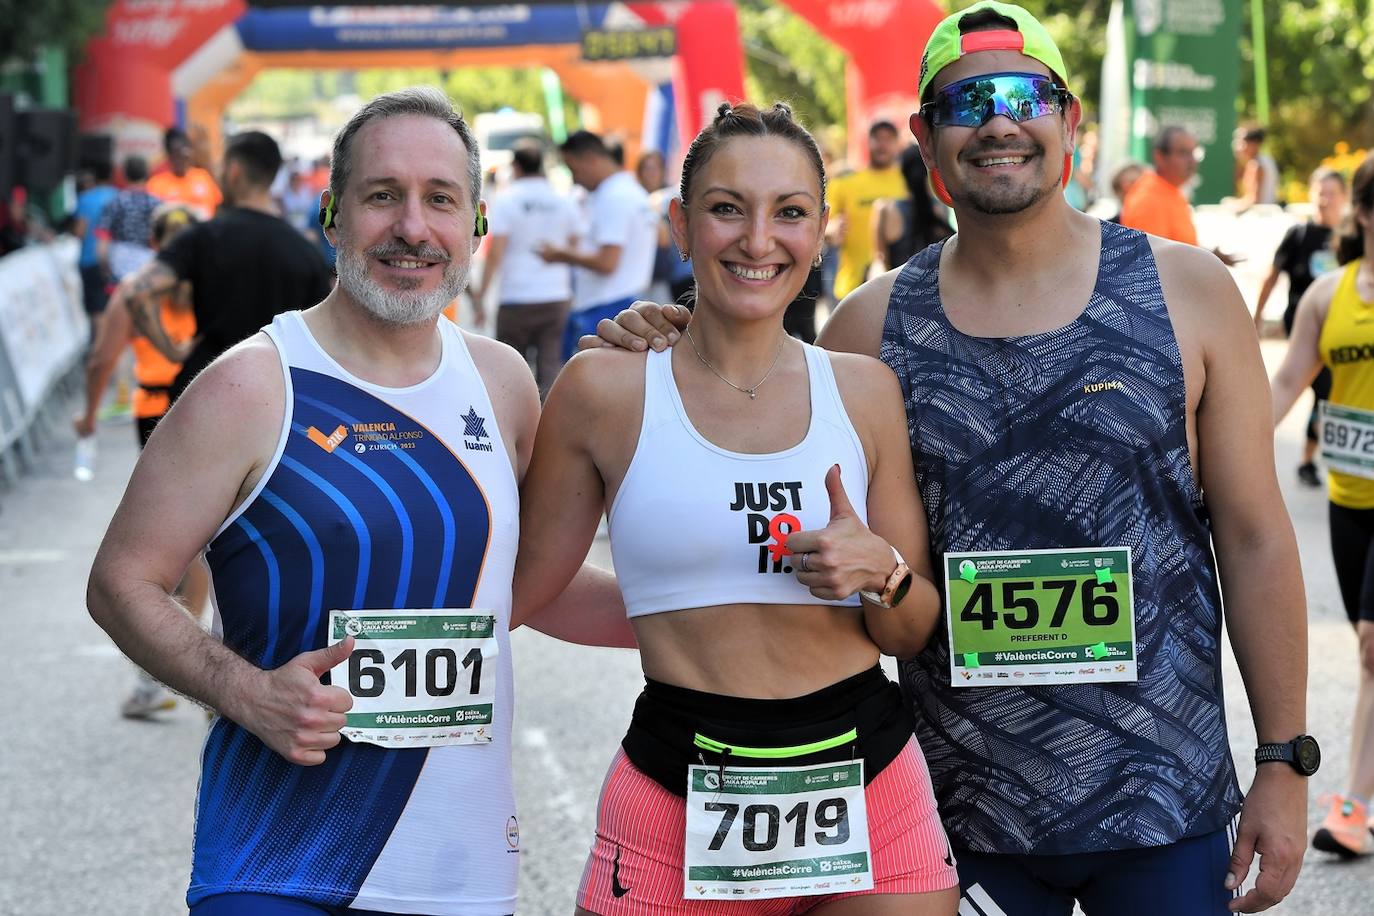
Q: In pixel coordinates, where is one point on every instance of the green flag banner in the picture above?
(1185, 72)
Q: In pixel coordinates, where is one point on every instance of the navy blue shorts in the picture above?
(268, 905)
(1181, 879)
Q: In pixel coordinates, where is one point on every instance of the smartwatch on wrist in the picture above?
(896, 587)
(1302, 754)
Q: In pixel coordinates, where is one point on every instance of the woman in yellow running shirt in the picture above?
(1335, 326)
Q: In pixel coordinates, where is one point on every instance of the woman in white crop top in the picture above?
(755, 487)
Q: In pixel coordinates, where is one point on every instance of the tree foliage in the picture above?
(66, 24)
(1320, 67)
(787, 60)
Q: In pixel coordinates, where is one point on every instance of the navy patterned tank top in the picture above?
(1071, 438)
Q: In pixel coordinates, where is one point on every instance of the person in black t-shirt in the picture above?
(245, 266)
(1304, 253)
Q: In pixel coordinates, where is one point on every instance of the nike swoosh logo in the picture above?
(616, 887)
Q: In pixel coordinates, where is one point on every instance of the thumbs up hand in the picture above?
(838, 560)
(291, 711)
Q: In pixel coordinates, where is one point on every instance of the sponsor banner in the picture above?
(1185, 72)
(335, 28)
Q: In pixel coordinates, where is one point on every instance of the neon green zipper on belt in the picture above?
(775, 753)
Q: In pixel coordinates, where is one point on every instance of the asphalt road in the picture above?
(96, 811)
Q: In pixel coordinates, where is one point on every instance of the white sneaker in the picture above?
(146, 700)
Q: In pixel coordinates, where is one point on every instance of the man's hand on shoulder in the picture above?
(642, 326)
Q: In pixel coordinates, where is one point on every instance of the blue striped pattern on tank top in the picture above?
(1014, 450)
(329, 530)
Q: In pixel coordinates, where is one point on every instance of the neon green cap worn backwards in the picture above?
(946, 44)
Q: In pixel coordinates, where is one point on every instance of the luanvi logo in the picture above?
(474, 431)
(1103, 386)
(330, 442)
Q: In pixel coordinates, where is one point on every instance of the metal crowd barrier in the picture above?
(43, 336)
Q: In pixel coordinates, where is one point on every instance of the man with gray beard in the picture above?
(351, 475)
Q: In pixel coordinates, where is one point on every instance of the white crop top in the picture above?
(695, 525)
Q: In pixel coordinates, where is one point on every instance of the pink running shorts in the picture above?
(640, 836)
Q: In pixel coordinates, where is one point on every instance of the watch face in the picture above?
(1308, 754)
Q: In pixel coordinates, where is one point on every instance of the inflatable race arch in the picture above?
(161, 62)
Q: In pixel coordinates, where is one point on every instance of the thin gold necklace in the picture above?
(753, 389)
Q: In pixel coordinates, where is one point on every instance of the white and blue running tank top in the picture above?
(375, 498)
(1071, 438)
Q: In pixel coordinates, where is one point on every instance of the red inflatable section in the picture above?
(709, 67)
(127, 69)
(884, 40)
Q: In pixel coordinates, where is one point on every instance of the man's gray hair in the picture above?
(425, 101)
(1164, 140)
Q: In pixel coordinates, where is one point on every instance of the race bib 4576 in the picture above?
(1040, 617)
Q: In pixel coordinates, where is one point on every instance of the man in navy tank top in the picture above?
(350, 476)
(1098, 475)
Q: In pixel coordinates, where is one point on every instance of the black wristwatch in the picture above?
(1302, 754)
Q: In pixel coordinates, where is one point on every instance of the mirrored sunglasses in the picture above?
(974, 101)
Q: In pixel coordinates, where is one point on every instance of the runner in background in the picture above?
(851, 198)
(126, 224)
(903, 227)
(153, 373)
(1334, 327)
(181, 182)
(90, 205)
(1305, 254)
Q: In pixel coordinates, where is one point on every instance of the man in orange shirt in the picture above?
(1155, 203)
(183, 183)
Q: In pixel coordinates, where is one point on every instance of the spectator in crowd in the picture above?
(651, 171)
(1156, 203)
(299, 204)
(851, 198)
(533, 294)
(126, 225)
(182, 182)
(1259, 173)
(245, 266)
(903, 227)
(1123, 179)
(613, 265)
(672, 276)
(1305, 254)
(90, 205)
(14, 222)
